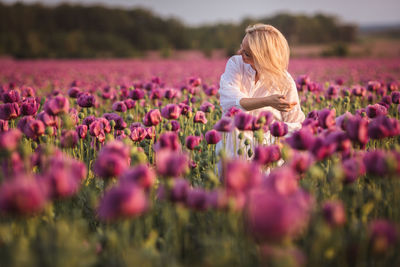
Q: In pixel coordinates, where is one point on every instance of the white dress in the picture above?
(238, 82)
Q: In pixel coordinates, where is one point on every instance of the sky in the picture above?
(199, 12)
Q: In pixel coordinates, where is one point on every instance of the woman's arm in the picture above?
(276, 101)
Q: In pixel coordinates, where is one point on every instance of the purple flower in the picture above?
(63, 176)
(207, 107)
(185, 109)
(119, 121)
(383, 235)
(265, 155)
(244, 121)
(375, 163)
(119, 106)
(153, 117)
(197, 199)
(326, 118)
(373, 86)
(303, 79)
(322, 148)
(232, 112)
(86, 100)
(357, 130)
(225, 124)
(29, 106)
(376, 110)
(74, 92)
(69, 138)
(359, 91)
(341, 120)
(141, 175)
(130, 104)
(168, 140)
(212, 137)
(179, 190)
(274, 217)
(302, 139)
(9, 111)
(240, 176)
(282, 180)
(200, 116)
(33, 128)
(395, 97)
(151, 132)
(300, 162)
(278, 128)
(138, 134)
(352, 168)
(4, 126)
(112, 160)
(10, 96)
(123, 202)
(171, 163)
(382, 127)
(81, 130)
(57, 105)
(334, 213)
(22, 196)
(175, 126)
(332, 91)
(136, 94)
(171, 111)
(192, 141)
(9, 140)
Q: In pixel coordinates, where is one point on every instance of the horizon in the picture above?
(183, 13)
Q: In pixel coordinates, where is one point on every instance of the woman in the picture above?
(257, 80)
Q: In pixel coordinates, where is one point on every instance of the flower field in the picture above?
(113, 163)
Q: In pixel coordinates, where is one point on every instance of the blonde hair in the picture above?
(270, 52)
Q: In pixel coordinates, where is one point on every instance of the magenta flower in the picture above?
(136, 94)
(357, 130)
(151, 132)
(341, 120)
(197, 199)
(74, 92)
(265, 155)
(171, 111)
(376, 110)
(375, 163)
(81, 130)
(334, 213)
(22, 196)
(232, 112)
(352, 168)
(240, 176)
(171, 163)
(207, 107)
(185, 109)
(383, 235)
(138, 134)
(112, 160)
(10, 96)
(278, 129)
(153, 117)
(57, 105)
(359, 91)
(212, 137)
(225, 124)
(175, 126)
(326, 118)
(168, 140)
(141, 175)
(4, 126)
(33, 128)
(9, 140)
(9, 111)
(302, 139)
(300, 162)
(200, 116)
(86, 100)
(322, 148)
(192, 141)
(303, 80)
(373, 86)
(179, 190)
(382, 127)
(119, 121)
(69, 138)
(63, 176)
(274, 217)
(119, 106)
(244, 121)
(283, 180)
(395, 97)
(123, 202)
(392, 86)
(29, 106)
(47, 119)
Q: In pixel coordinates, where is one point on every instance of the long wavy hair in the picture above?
(270, 52)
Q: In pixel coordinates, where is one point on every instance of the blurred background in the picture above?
(187, 29)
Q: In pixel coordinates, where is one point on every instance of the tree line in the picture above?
(70, 30)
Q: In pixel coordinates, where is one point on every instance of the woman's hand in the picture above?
(278, 102)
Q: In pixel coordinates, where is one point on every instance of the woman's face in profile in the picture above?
(244, 51)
